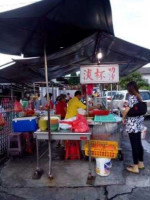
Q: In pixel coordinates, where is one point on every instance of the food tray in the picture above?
(108, 118)
(98, 113)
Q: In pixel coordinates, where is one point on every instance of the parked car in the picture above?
(109, 95)
(120, 100)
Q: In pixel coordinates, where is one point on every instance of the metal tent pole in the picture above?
(111, 98)
(49, 130)
(34, 88)
(87, 105)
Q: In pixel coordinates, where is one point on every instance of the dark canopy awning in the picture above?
(129, 57)
(55, 23)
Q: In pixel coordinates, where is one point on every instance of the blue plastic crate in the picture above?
(25, 124)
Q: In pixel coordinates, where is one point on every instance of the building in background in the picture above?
(145, 71)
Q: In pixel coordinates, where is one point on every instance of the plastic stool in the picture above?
(28, 139)
(72, 150)
(14, 144)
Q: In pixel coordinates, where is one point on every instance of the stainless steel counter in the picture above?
(62, 135)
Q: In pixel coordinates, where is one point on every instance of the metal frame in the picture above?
(7, 110)
(62, 135)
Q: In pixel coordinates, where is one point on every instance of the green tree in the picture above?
(135, 76)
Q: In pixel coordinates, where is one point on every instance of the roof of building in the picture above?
(144, 70)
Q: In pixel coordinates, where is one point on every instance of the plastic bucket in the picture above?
(54, 127)
(54, 120)
(43, 124)
(103, 166)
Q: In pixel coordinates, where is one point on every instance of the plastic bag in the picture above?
(2, 120)
(81, 111)
(143, 132)
(29, 112)
(17, 106)
(80, 124)
(89, 89)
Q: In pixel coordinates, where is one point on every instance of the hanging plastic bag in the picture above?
(2, 120)
(17, 106)
(89, 89)
(81, 111)
(80, 124)
(143, 132)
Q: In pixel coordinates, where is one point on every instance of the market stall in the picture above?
(106, 127)
(104, 131)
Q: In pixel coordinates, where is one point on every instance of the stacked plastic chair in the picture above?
(72, 150)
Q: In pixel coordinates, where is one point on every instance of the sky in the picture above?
(130, 20)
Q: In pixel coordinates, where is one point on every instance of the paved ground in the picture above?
(70, 183)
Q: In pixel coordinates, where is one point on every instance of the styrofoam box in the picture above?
(25, 124)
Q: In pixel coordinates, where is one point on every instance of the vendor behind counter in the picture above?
(74, 104)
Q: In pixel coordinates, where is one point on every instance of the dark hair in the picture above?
(61, 97)
(77, 93)
(132, 88)
(57, 98)
(50, 95)
(68, 93)
(18, 98)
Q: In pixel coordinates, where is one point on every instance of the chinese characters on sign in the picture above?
(99, 74)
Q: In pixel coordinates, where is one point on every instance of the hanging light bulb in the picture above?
(99, 55)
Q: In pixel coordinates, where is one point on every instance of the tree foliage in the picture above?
(135, 76)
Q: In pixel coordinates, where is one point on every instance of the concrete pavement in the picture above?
(70, 179)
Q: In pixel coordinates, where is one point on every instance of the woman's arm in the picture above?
(125, 112)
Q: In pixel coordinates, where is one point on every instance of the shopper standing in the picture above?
(134, 126)
(61, 106)
(44, 102)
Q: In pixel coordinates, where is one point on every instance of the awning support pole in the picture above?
(87, 105)
(49, 130)
(111, 99)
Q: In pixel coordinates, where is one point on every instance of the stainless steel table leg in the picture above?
(89, 142)
(90, 179)
(38, 172)
(50, 161)
(37, 154)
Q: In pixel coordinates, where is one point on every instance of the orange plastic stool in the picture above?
(72, 148)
